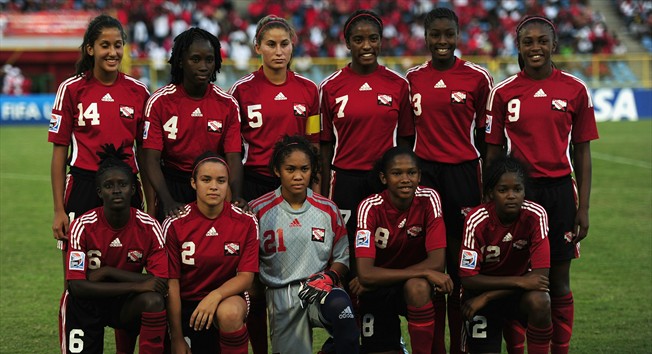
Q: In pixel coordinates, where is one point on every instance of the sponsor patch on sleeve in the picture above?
(487, 124)
(55, 123)
(469, 259)
(362, 238)
(77, 260)
(145, 129)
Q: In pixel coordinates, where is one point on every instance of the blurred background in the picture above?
(606, 43)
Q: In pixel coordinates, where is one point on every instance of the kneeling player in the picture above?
(503, 239)
(108, 248)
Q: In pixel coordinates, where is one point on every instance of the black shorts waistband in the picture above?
(176, 175)
(549, 181)
(256, 177)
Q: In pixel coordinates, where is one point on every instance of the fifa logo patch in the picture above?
(145, 129)
(414, 231)
(55, 123)
(458, 97)
(318, 235)
(77, 260)
(487, 124)
(215, 126)
(134, 256)
(300, 110)
(231, 248)
(469, 259)
(384, 100)
(362, 238)
(127, 112)
(559, 105)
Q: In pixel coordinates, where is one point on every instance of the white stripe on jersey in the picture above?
(242, 80)
(490, 100)
(264, 199)
(156, 227)
(482, 70)
(416, 68)
(471, 223)
(169, 220)
(221, 92)
(61, 92)
(539, 211)
(306, 79)
(588, 94)
(75, 148)
(78, 228)
(397, 74)
(321, 92)
(433, 197)
(62, 330)
(365, 206)
(165, 90)
(239, 211)
(139, 83)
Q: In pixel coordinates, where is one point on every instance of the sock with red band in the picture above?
(562, 323)
(538, 339)
(153, 328)
(514, 334)
(234, 342)
(421, 326)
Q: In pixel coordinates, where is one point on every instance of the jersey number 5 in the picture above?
(255, 117)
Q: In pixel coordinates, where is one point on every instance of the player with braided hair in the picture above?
(448, 97)
(303, 255)
(544, 117)
(108, 249)
(187, 117)
(504, 265)
(400, 249)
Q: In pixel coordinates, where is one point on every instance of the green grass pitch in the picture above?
(612, 282)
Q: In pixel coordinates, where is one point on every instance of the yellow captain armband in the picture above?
(313, 125)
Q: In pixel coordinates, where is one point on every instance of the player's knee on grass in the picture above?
(536, 304)
(230, 314)
(417, 292)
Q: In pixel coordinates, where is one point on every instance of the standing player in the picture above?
(503, 239)
(539, 114)
(449, 96)
(365, 110)
(303, 255)
(98, 105)
(109, 247)
(213, 249)
(400, 250)
(187, 117)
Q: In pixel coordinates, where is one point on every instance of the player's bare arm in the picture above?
(583, 174)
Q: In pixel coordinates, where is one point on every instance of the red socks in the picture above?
(153, 328)
(562, 322)
(124, 343)
(235, 342)
(514, 334)
(421, 326)
(538, 339)
(438, 343)
(257, 325)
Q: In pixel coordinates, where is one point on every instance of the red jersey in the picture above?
(94, 244)
(400, 238)
(491, 248)
(269, 111)
(448, 106)
(88, 114)
(364, 115)
(538, 119)
(205, 253)
(182, 127)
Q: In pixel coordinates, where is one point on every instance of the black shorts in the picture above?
(178, 183)
(484, 333)
(82, 322)
(255, 185)
(380, 325)
(348, 189)
(559, 197)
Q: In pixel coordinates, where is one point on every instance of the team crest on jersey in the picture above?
(55, 123)
(77, 260)
(215, 126)
(300, 110)
(559, 104)
(465, 210)
(127, 112)
(134, 256)
(487, 123)
(469, 259)
(384, 100)
(414, 231)
(568, 236)
(231, 248)
(318, 235)
(520, 244)
(458, 97)
(362, 238)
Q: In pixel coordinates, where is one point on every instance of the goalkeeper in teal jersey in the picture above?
(303, 254)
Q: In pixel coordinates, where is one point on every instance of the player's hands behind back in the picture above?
(317, 286)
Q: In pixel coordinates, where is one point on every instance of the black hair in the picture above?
(362, 15)
(382, 165)
(528, 20)
(440, 12)
(288, 144)
(207, 156)
(182, 43)
(499, 167)
(86, 62)
(112, 158)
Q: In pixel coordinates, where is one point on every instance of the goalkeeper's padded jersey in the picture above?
(297, 243)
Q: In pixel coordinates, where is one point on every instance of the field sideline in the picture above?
(612, 282)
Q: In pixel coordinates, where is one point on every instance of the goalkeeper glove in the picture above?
(317, 286)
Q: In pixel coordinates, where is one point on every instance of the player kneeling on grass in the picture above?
(108, 248)
(213, 248)
(303, 254)
(400, 250)
(504, 264)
